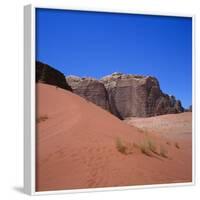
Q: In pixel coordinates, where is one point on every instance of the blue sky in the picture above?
(97, 44)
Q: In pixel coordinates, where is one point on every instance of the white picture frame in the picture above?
(30, 103)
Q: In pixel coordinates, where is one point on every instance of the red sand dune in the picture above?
(76, 147)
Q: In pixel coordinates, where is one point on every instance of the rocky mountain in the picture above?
(126, 95)
(49, 75)
(90, 89)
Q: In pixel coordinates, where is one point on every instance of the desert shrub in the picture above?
(42, 118)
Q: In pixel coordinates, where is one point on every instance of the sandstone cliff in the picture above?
(126, 95)
(90, 89)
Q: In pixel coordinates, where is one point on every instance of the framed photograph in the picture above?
(109, 100)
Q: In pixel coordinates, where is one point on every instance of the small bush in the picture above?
(42, 118)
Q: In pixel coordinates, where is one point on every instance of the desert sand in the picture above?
(80, 145)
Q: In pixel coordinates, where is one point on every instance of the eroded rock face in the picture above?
(47, 74)
(138, 96)
(126, 95)
(90, 89)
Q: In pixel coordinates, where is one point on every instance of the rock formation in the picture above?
(126, 95)
(138, 96)
(90, 89)
(189, 109)
(47, 74)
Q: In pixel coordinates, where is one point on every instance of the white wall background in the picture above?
(11, 97)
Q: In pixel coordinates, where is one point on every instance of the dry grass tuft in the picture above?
(148, 147)
(152, 146)
(163, 152)
(177, 145)
(120, 146)
(144, 148)
(125, 147)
